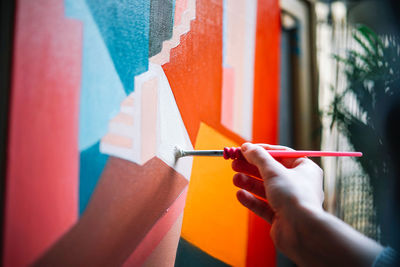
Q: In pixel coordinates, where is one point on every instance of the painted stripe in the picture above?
(41, 200)
(239, 26)
(260, 251)
(165, 253)
(149, 113)
(228, 85)
(156, 234)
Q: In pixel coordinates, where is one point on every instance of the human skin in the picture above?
(300, 228)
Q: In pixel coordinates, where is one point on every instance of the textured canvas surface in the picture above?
(101, 94)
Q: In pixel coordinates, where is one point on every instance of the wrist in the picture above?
(322, 238)
(305, 220)
(304, 214)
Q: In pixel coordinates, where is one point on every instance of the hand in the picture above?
(291, 186)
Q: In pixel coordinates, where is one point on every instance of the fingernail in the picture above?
(245, 146)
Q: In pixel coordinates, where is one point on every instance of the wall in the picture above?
(101, 93)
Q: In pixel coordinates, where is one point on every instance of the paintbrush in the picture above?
(236, 153)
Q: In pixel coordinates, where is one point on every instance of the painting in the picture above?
(101, 94)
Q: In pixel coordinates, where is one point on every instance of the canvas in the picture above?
(101, 94)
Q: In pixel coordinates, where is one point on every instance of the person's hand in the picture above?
(291, 187)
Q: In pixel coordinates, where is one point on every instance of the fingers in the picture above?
(249, 184)
(298, 161)
(291, 162)
(258, 156)
(287, 162)
(275, 147)
(241, 165)
(259, 207)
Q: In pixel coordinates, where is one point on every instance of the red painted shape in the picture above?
(261, 251)
(157, 233)
(266, 73)
(42, 173)
(195, 69)
(260, 248)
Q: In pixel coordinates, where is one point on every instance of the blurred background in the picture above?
(339, 91)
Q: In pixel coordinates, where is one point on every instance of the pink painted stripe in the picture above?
(180, 7)
(228, 85)
(42, 170)
(157, 233)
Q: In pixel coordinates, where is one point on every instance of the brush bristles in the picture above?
(178, 152)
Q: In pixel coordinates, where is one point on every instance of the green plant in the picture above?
(373, 80)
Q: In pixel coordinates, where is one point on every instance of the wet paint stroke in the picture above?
(161, 143)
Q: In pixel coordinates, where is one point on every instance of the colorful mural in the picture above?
(101, 94)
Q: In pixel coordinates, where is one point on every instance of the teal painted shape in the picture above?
(115, 49)
(124, 26)
(161, 24)
(189, 255)
(101, 88)
(91, 165)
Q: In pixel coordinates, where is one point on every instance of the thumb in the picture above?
(258, 156)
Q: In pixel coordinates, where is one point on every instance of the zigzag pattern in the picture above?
(120, 131)
(124, 138)
(179, 30)
(138, 138)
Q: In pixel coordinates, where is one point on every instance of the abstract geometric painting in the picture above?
(102, 92)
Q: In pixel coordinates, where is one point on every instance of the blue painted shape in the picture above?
(91, 166)
(112, 55)
(161, 24)
(124, 26)
(101, 89)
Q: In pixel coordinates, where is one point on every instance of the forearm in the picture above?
(326, 240)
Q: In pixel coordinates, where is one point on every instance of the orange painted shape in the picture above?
(195, 69)
(214, 221)
(197, 85)
(149, 119)
(227, 97)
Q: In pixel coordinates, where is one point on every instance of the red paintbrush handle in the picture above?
(235, 153)
(232, 153)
